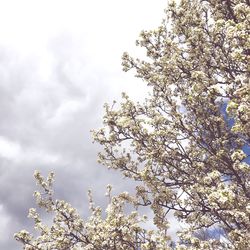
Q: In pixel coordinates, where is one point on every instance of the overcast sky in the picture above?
(59, 62)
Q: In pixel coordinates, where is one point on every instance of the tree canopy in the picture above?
(186, 146)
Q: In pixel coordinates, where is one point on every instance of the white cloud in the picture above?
(28, 23)
(13, 151)
(9, 149)
(65, 111)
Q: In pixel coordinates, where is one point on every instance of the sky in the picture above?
(60, 61)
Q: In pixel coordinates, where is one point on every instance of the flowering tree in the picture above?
(181, 145)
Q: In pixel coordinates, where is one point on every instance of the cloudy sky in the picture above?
(59, 62)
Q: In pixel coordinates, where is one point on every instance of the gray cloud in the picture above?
(45, 126)
(55, 75)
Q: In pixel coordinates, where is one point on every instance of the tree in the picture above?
(187, 153)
